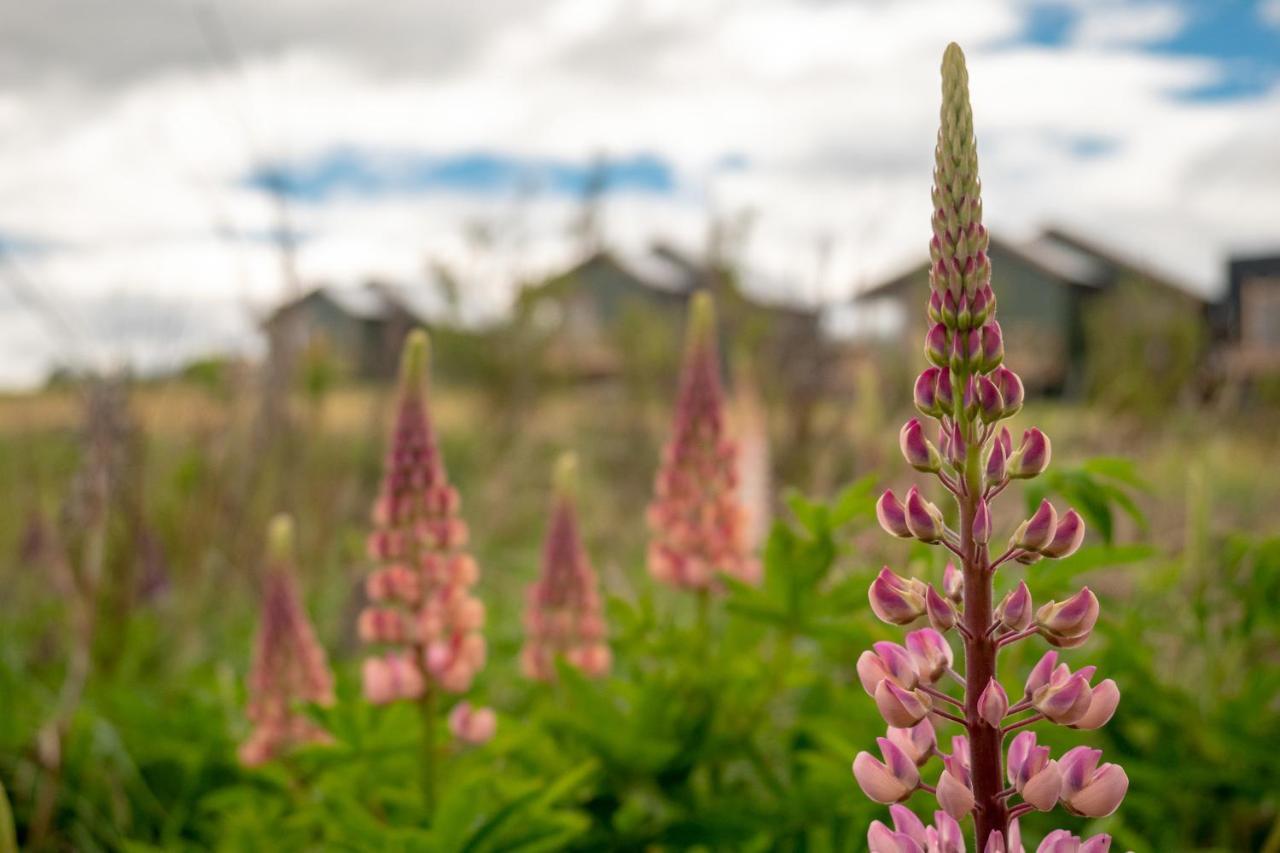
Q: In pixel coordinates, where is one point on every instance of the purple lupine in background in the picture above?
(697, 519)
(969, 392)
(563, 615)
(289, 665)
(421, 613)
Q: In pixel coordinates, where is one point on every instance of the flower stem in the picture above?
(428, 707)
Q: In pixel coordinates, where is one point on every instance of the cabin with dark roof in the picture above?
(1047, 289)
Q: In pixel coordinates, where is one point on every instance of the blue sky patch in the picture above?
(363, 173)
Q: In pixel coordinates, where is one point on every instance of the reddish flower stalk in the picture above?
(697, 520)
(289, 665)
(563, 616)
(969, 392)
(422, 614)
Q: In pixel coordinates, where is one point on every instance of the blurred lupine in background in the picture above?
(421, 612)
(969, 391)
(697, 521)
(563, 615)
(289, 665)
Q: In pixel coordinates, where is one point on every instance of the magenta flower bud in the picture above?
(892, 516)
(953, 583)
(1042, 672)
(906, 823)
(996, 462)
(924, 520)
(1087, 789)
(934, 308)
(992, 348)
(1014, 610)
(897, 600)
(882, 839)
(919, 742)
(1065, 699)
(1037, 531)
(956, 447)
(931, 654)
(966, 349)
(1011, 390)
(990, 405)
(1102, 706)
(888, 661)
(937, 346)
(1067, 538)
(944, 392)
(969, 400)
(918, 450)
(950, 312)
(900, 707)
(941, 612)
(955, 797)
(1032, 773)
(1069, 620)
(888, 781)
(981, 305)
(993, 704)
(945, 835)
(926, 393)
(982, 524)
(1031, 457)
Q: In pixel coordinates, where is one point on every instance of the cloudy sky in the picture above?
(140, 139)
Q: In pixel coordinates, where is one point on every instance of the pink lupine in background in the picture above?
(563, 614)
(422, 616)
(697, 521)
(289, 665)
(969, 392)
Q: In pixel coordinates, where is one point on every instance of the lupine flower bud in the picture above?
(289, 665)
(1032, 773)
(418, 534)
(1087, 789)
(930, 652)
(918, 450)
(996, 465)
(1065, 699)
(926, 393)
(1031, 457)
(1067, 537)
(945, 835)
(956, 448)
(563, 614)
(953, 583)
(892, 516)
(966, 350)
(955, 797)
(910, 835)
(982, 305)
(888, 781)
(1011, 390)
(1037, 531)
(944, 391)
(982, 524)
(882, 839)
(934, 308)
(897, 600)
(993, 704)
(969, 400)
(698, 524)
(1068, 624)
(918, 742)
(472, 725)
(889, 660)
(937, 346)
(1062, 841)
(942, 613)
(1014, 610)
(1102, 706)
(990, 404)
(899, 707)
(992, 347)
(924, 520)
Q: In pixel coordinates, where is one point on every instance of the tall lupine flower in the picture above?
(969, 391)
(289, 666)
(422, 617)
(697, 520)
(563, 616)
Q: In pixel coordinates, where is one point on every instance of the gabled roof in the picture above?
(373, 301)
(1118, 262)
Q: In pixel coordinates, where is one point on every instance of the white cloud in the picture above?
(1269, 11)
(128, 161)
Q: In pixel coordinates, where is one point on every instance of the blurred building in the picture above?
(1250, 318)
(1057, 294)
(360, 329)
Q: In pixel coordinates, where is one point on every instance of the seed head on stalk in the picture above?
(969, 391)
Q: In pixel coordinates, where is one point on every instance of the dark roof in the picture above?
(1120, 262)
(373, 301)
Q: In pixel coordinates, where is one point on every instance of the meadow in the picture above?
(732, 729)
